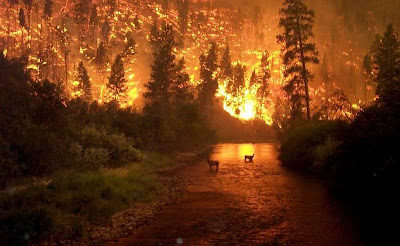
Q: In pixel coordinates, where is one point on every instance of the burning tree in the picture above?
(297, 51)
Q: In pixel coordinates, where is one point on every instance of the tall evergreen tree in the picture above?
(387, 66)
(367, 70)
(130, 48)
(22, 23)
(208, 76)
(263, 90)
(183, 15)
(181, 88)
(101, 57)
(93, 24)
(226, 65)
(105, 31)
(81, 14)
(117, 82)
(48, 8)
(238, 82)
(84, 86)
(163, 68)
(298, 51)
(325, 75)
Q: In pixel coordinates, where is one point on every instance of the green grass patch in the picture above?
(73, 199)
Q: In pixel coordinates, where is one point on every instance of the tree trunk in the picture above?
(304, 72)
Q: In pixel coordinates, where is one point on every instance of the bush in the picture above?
(115, 149)
(71, 201)
(302, 147)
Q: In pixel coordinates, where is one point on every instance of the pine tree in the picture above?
(181, 88)
(367, 70)
(297, 21)
(101, 58)
(238, 82)
(117, 82)
(84, 86)
(163, 68)
(63, 38)
(387, 66)
(263, 91)
(183, 16)
(22, 23)
(130, 48)
(93, 23)
(48, 8)
(105, 30)
(326, 76)
(226, 65)
(28, 5)
(208, 76)
(81, 14)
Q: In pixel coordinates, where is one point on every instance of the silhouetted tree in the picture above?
(163, 68)
(183, 15)
(297, 21)
(226, 65)
(367, 70)
(130, 48)
(387, 67)
(48, 8)
(263, 89)
(326, 76)
(81, 14)
(93, 23)
(22, 23)
(208, 76)
(117, 82)
(181, 88)
(105, 31)
(84, 86)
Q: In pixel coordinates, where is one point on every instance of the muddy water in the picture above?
(257, 203)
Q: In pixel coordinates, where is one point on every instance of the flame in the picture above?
(217, 26)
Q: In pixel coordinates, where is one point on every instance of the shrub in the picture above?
(300, 144)
(110, 149)
(95, 158)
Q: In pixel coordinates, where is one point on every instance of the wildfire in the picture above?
(55, 50)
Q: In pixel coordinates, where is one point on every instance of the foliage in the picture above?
(305, 146)
(387, 66)
(117, 82)
(208, 76)
(297, 51)
(84, 86)
(71, 201)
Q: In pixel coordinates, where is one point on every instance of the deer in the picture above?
(213, 163)
(248, 157)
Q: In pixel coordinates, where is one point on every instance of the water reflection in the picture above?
(258, 203)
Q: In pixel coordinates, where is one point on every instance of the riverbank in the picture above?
(89, 208)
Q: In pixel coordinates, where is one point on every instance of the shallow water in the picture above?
(248, 203)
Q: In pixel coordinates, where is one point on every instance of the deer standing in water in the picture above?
(248, 157)
(213, 163)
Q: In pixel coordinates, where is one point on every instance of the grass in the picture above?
(74, 199)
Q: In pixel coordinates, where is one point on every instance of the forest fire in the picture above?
(55, 45)
(108, 107)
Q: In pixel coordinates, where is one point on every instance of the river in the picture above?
(248, 203)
